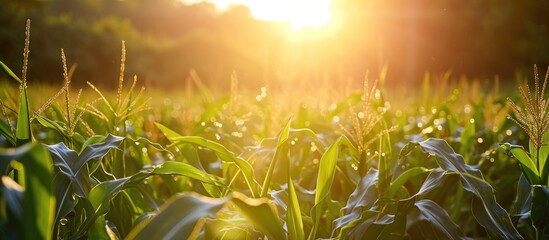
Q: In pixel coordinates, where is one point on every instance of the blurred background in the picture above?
(314, 41)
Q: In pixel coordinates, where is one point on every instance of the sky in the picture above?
(299, 13)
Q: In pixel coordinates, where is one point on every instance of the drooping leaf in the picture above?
(362, 199)
(261, 212)
(223, 153)
(47, 123)
(403, 178)
(101, 194)
(72, 165)
(438, 216)
(177, 218)
(491, 215)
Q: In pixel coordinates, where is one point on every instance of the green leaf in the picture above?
(403, 178)
(543, 155)
(407, 149)
(223, 153)
(293, 214)
(326, 169)
(468, 140)
(12, 195)
(437, 216)
(47, 123)
(326, 172)
(10, 73)
(540, 204)
(177, 218)
(294, 220)
(261, 213)
(73, 165)
(528, 165)
(490, 215)
(523, 199)
(384, 164)
(6, 132)
(363, 198)
(282, 138)
(23, 129)
(64, 197)
(38, 200)
(101, 194)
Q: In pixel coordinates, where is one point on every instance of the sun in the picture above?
(298, 13)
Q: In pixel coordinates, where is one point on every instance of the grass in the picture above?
(278, 162)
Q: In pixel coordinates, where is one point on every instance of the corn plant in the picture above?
(534, 120)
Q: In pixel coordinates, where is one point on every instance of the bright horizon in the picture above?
(298, 13)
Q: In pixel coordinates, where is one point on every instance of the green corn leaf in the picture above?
(467, 139)
(6, 132)
(101, 194)
(12, 195)
(64, 197)
(325, 178)
(10, 73)
(326, 172)
(23, 129)
(73, 165)
(490, 215)
(293, 213)
(223, 153)
(540, 205)
(543, 155)
(39, 198)
(384, 164)
(47, 123)
(177, 218)
(403, 178)
(363, 198)
(407, 149)
(439, 218)
(324, 181)
(262, 213)
(523, 198)
(38, 202)
(282, 137)
(528, 165)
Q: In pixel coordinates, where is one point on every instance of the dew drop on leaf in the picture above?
(63, 221)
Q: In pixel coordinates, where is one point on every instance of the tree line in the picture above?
(166, 39)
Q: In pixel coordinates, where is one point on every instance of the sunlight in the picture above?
(298, 13)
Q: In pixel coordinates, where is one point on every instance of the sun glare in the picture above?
(298, 13)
